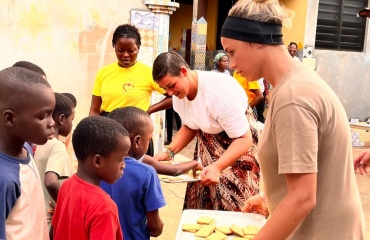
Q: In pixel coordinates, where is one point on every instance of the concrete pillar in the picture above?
(162, 10)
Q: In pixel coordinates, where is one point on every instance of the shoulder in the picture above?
(108, 68)
(139, 66)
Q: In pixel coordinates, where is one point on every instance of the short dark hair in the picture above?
(72, 98)
(16, 82)
(96, 135)
(63, 105)
(293, 43)
(168, 63)
(126, 31)
(134, 119)
(30, 66)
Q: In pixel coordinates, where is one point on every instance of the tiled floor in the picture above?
(174, 193)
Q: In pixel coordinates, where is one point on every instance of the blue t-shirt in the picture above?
(137, 192)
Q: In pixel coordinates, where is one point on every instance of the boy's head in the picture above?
(63, 114)
(26, 105)
(100, 145)
(138, 124)
(30, 66)
(72, 98)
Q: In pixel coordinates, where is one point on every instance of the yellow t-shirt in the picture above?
(247, 86)
(121, 87)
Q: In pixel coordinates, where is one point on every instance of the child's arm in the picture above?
(52, 184)
(155, 224)
(169, 169)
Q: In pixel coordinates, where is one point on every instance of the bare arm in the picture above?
(292, 210)
(162, 105)
(155, 224)
(95, 106)
(258, 98)
(52, 184)
(211, 173)
(169, 169)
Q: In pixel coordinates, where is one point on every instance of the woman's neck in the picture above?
(193, 84)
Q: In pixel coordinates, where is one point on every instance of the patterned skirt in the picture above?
(237, 183)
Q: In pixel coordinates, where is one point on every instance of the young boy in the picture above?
(84, 210)
(31, 66)
(138, 193)
(52, 158)
(26, 104)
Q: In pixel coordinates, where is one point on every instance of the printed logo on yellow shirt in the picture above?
(128, 86)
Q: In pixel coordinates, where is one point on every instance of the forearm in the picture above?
(182, 139)
(293, 208)
(290, 212)
(236, 149)
(53, 190)
(154, 223)
(255, 101)
(162, 105)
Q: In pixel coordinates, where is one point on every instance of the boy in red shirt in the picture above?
(84, 210)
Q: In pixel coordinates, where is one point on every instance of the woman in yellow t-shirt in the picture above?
(126, 82)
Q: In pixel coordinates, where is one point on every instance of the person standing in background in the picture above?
(126, 82)
(221, 63)
(292, 49)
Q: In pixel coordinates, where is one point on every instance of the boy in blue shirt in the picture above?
(138, 194)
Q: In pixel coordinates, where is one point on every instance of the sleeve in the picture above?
(232, 117)
(97, 84)
(59, 161)
(106, 225)
(295, 130)
(9, 193)
(253, 85)
(156, 87)
(153, 197)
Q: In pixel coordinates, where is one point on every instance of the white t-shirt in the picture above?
(219, 105)
(262, 86)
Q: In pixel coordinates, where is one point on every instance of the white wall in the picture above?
(69, 39)
(348, 73)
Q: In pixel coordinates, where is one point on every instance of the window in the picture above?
(338, 27)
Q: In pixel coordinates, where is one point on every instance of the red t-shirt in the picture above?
(85, 211)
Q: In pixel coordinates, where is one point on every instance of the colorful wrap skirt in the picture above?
(237, 183)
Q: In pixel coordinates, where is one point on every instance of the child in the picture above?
(84, 210)
(138, 193)
(52, 158)
(26, 104)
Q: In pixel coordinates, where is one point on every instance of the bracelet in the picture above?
(170, 154)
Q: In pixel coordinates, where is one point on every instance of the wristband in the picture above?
(170, 154)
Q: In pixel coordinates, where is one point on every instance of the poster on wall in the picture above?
(143, 19)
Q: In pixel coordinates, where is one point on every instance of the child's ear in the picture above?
(61, 118)
(136, 141)
(97, 161)
(9, 119)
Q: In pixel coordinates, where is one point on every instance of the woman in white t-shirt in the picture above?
(213, 107)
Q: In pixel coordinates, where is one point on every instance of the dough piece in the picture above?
(205, 220)
(237, 230)
(224, 229)
(205, 231)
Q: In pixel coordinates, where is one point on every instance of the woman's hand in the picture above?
(163, 156)
(256, 204)
(194, 170)
(210, 175)
(362, 162)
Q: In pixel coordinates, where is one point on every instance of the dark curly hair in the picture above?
(126, 31)
(30, 66)
(72, 98)
(63, 105)
(96, 135)
(134, 119)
